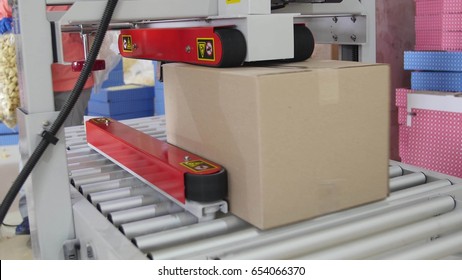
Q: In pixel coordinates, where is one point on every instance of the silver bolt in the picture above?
(46, 123)
(353, 37)
(353, 19)
(186, 158)
(188, 49)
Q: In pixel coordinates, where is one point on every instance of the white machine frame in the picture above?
(48, 195)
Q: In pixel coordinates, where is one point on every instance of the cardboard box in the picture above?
(298, 140)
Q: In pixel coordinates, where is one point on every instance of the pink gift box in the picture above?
(401, 97)
(402, 115)
(427, 40)
(432, 136)
(401, 103)
(441, 22)
(403, 142)
(431, 7)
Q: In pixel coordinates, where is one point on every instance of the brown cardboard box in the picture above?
(298, 140)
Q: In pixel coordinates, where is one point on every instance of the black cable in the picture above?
(8, 225)
(69, 104)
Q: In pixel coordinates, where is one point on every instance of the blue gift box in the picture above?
(159, 107)
(6, 130)
(115, 77)
(433, 61)
(121, 102)
(123, 93)
(115, 108)
(9, 139)
(436, 81)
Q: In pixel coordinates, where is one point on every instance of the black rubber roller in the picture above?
(234, 47)
(303, 43)
(206, 188)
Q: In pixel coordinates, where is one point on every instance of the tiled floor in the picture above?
(12, 247)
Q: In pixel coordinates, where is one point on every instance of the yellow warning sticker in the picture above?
(127, 43)
(198, 165)
(232, 1)
(206, 49)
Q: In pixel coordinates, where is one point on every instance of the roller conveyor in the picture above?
(420, 219)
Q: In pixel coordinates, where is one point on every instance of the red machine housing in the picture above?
(209, 46)
(176, 172)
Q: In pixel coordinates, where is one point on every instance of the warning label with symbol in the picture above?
(206, 49)
(198, 165)
(127, 43)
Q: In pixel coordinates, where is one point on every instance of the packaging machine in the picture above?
(109, 214)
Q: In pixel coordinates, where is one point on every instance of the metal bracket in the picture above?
(337, 29)
(206, 211)
(71, 249)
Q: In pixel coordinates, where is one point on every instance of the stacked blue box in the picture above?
(159, 106)
(434, 71)
(433, 61)
(116, 76)
(9, 139)
(123, 102)
(6, 130)
(8, 136)
(436, 81)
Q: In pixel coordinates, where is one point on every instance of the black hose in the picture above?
(69, 104)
